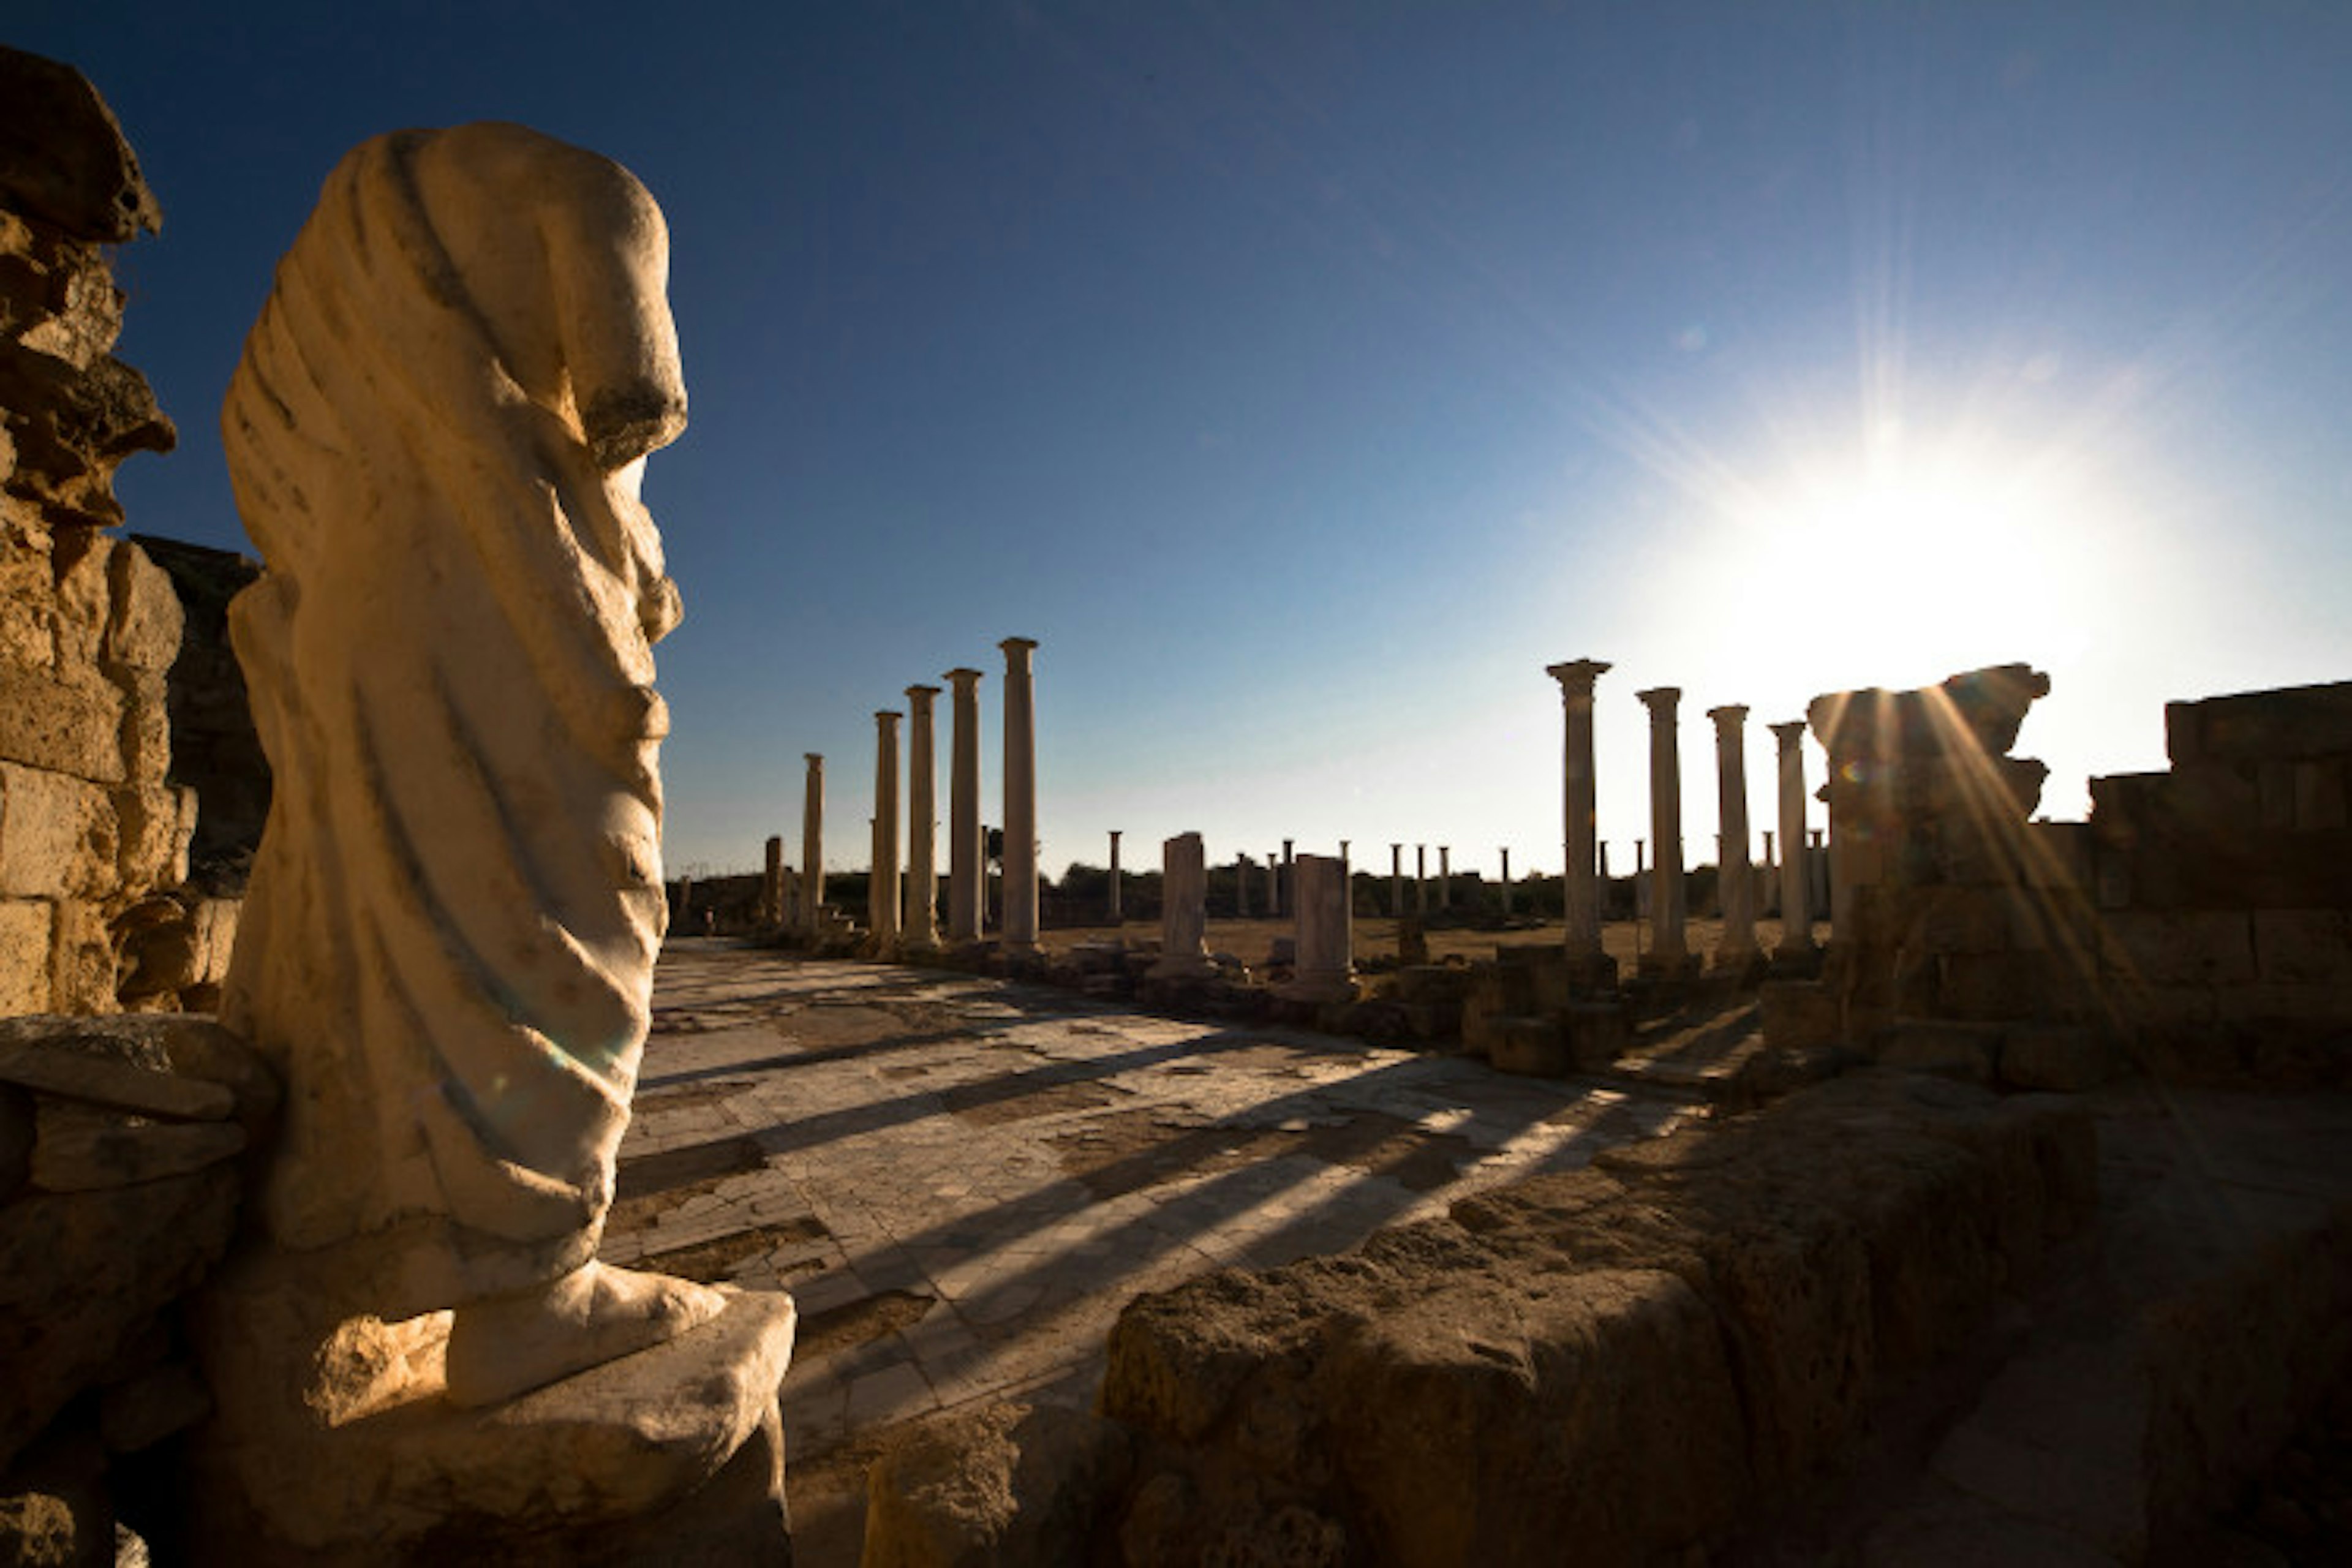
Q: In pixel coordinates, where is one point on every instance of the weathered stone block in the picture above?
(2303, 945)
(24, 939)
(1945, 1046)
(2179, 947)
(1995, 987)
(2268, 1001)
(1007, 1484)
(90, 1148)
(1799, 1015)
(2319, 793)
(82, 959)
(144, 617)
(157, 825)
(1961, 919)
(1598, 1032)
(1535, 1046)
(63, 725)
(2291, 721)
(59, 836)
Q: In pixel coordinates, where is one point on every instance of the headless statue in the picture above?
(437, 436)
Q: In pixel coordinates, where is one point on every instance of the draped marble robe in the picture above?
(436, 435)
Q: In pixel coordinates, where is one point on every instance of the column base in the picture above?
(1667, 966)
(1317, 989)
(335, 1441)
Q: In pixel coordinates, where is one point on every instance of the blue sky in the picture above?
(1306, 378)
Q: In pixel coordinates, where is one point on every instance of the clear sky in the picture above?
(1306, 377)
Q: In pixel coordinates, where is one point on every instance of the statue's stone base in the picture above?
(336, 1443)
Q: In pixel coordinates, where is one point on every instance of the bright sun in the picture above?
(1907, 566)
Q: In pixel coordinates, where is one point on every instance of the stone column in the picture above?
(1579, 890)
(1184, 910)
(1115, 916)
(1020, 795)
(812, 846)
(1396, 881)
(1670, 953)
(1273, 885)
(1324, 965)
(1444, 877)
(1735, 876)
(1421, 879)
(1287, 894)
(1768, 881)
(922, 922)
(771, 883)
(1241, 887)
(967, 849)
(882, 884)
(1507, 882)
(1795, 893)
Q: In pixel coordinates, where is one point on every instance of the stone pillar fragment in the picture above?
(967, 849)
(1396, 881)
(1669, 955)
(1273, 885)
(1735, 876)
(1796, 890)
(1115, 916)
(882, 880)
(1444, 877)
(1020, 795)
(1506, 881)
(771, 883)
(1287, 903)
(922, 920)
(1421, 879)
(1324, 965)
(1579, 890)
(1241, 887)
(1184, 910)
(813, 845)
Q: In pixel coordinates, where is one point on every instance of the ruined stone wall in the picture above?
(2225, 889)
(89, 827)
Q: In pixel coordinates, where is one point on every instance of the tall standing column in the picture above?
(1020, 795)
(967, 866)
(1735, 876)
(1396, 881)
(1506, 881)
(1286, 894)
(771, 883)
(1273, 885)
(1421, 879)
(1323, 945)
(812, 846)
(1768, 881)
(922, 824)
(1670, 953)
(1183, 909)
(1115, 916)
(882, 885)
(1796, 890)
(1444, 877)
(1579, 891)
(1241, 886)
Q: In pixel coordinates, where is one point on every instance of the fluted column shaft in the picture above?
(922, 919)
(1672, 948)
(1020, 795)
(1577, 887)
(882, 886)
(813, 844)
(1735, 876)
(967, 878)
(1796, 887)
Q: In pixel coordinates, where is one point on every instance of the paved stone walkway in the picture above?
(962, 1180)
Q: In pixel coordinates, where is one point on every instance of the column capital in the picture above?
(919, 695)
(1730, 716)
(1661, 701)
(1577, 675)
(1018, 648)
(813, 759)
(962, 676)
(1792, 732)
(887, 717)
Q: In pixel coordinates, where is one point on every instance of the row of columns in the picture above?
(1670, 953)
(967, 893)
